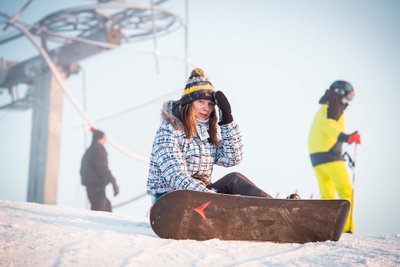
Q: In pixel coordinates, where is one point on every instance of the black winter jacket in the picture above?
(94, 167)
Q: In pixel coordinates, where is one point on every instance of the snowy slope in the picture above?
(43, 235)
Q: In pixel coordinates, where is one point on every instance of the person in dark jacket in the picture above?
(95, 174)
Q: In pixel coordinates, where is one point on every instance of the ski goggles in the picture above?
(347, 98)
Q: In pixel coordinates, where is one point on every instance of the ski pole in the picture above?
(353, 166)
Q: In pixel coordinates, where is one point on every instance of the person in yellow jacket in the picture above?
(325, 146)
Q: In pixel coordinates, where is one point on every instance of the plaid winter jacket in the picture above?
(175, 161)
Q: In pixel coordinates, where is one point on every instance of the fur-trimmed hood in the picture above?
(176, 162)
(170, 113)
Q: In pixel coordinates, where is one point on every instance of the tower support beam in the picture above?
(45, 139)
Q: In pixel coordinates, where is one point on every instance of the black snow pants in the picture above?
(236, 183)
(98, 199)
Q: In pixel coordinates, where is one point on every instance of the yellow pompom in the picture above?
(197, 72)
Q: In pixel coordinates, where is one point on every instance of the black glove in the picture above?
(225, 107)
(115, 188)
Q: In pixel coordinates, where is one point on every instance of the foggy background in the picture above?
(272, 59)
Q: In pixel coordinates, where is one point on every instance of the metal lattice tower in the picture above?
(68, 36)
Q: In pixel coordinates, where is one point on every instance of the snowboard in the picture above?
(188, 214)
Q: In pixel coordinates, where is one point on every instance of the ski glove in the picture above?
(350, 138)
(225, 108)
(115, 188)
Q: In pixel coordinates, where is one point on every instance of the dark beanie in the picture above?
(97, 134)
(197, 87)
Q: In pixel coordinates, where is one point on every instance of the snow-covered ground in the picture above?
(44, 235)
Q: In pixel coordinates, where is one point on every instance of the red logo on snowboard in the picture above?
(200, 209)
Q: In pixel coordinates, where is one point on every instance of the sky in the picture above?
(272, 59)
(75, 237)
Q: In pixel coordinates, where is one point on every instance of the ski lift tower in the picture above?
(69, 36)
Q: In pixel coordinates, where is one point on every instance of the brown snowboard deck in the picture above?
(187, 214)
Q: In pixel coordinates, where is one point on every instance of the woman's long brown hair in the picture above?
(189, 123)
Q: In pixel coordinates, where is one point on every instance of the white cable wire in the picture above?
(153, 26)
(136, 107)
(67, 93)
(113, 46)
(40, 30)
(186, 25)
(14, 22)
(16, 16)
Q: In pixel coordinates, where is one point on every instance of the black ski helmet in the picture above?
(341, 88)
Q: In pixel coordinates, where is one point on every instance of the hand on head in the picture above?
(225, 107)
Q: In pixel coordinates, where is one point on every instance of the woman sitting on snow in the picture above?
(190, 141)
